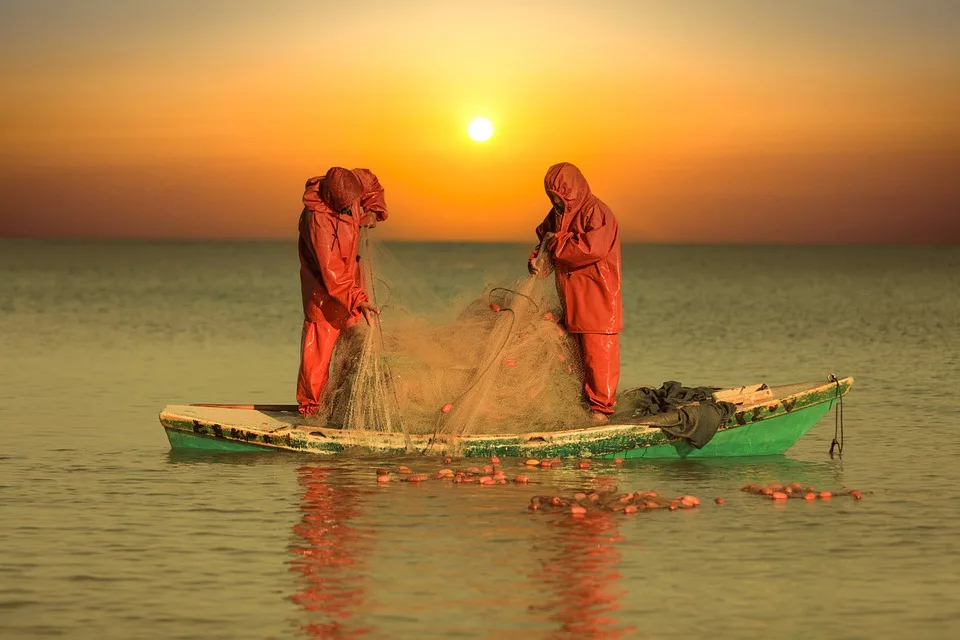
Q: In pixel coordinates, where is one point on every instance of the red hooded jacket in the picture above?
(586, 253)
(330, 282)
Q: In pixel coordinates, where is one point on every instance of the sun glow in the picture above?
(480, 129)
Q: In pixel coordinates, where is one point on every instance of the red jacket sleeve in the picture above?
(336, 277)
(372, 199)
(311, 194)
(576, 250)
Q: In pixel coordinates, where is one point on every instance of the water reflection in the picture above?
(736, 471)
(245, 458)
(329, 557)
(581, 575)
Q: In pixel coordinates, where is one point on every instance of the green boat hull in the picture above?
(770, 437)
(190, 440)
(768, 426)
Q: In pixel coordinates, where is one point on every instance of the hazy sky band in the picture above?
(697, 121)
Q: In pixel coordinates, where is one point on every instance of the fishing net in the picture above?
(498, 362)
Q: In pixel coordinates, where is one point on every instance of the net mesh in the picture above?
(498, 363)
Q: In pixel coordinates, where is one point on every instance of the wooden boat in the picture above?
(768, 421)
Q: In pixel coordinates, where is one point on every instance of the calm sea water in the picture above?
(107, 533)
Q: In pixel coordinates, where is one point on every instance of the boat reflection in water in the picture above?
(329, 556)
(577, 588)
(581, 575)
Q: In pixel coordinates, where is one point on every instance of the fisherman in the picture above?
(581, 236)
(335, 207)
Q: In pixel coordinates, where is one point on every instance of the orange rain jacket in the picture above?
(330, 282)
(586, 253)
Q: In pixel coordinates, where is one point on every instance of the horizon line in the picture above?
(293, 240)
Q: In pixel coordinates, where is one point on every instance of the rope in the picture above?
(476, 379)
(379, 331)
(516, 293)
(837, 421)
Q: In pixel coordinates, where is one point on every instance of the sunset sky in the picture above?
(710, 121)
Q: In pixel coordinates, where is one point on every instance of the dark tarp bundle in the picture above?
(685, 412)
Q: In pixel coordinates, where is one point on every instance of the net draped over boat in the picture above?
(498, 363)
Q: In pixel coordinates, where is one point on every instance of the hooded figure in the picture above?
(583, 240)
(335, 207)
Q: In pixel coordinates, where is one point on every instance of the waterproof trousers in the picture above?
(316, 351)
(600, 354)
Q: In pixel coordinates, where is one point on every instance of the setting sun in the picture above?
(480, 129)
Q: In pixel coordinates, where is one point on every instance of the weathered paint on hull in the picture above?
(769, 437)
(186, 440)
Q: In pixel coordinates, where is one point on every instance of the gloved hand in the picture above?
(369, 312)
(532, 267)
(540, 263)
(371, 218)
